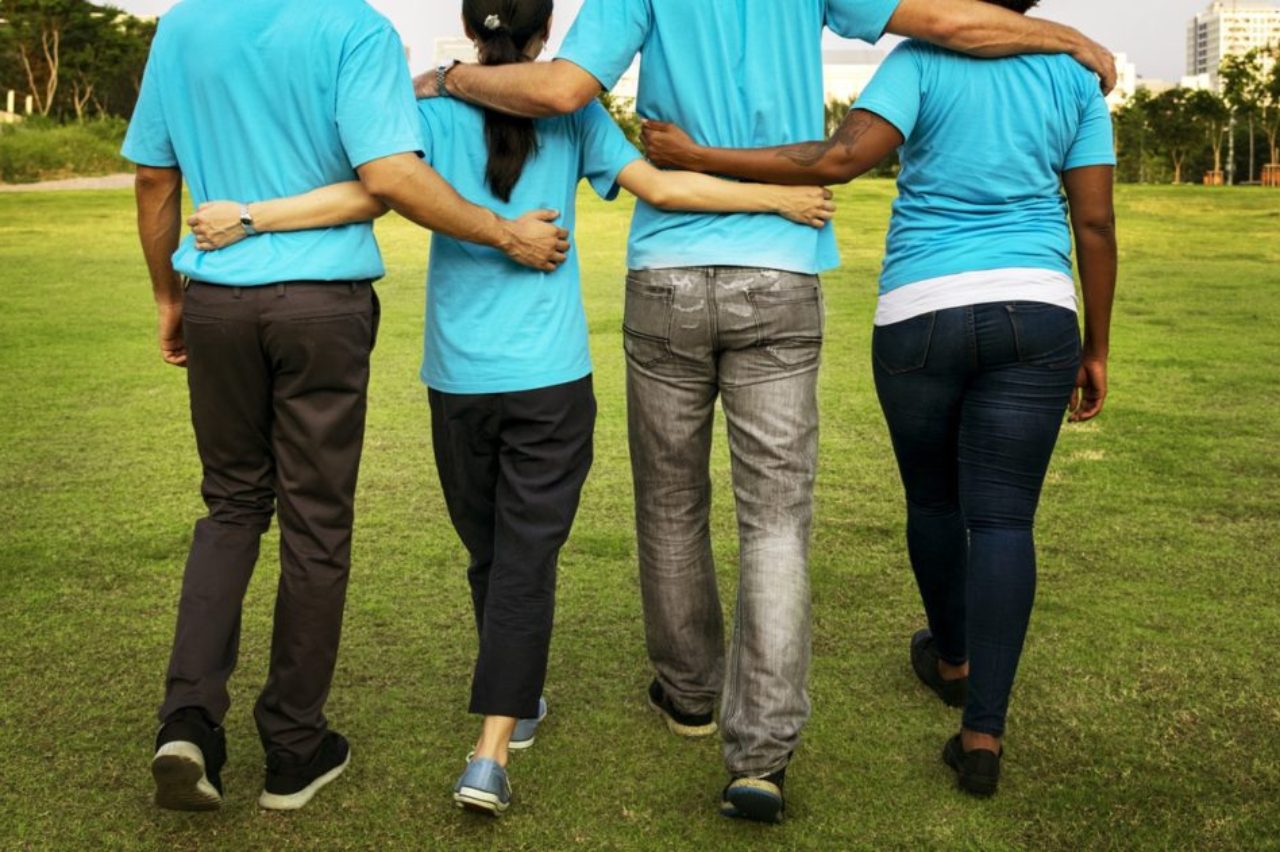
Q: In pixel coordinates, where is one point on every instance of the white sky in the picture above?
(1152, 32)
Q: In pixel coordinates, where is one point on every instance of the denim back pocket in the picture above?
(903, 347)
(789, 324)
(1045, 335)
(646, 321)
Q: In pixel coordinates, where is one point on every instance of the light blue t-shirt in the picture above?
(987, 143)
(734, 74)
(256, 100)
(494, 326)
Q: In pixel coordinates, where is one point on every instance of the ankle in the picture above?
(973, 740)
(953, 672)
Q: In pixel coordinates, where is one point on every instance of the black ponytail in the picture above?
(503, 29)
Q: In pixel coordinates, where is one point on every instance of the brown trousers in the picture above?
(278, 377)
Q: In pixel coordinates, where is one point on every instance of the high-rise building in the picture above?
(1229, 28)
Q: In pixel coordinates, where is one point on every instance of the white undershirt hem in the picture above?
(977, 288)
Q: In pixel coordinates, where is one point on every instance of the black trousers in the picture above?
(278, 378)
(512, 466)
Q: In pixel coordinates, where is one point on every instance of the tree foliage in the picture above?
(73, 56)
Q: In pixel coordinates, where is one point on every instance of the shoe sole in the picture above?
(756, 800)
(480, 802)
(295, 801)
(689, 731)
(181, 783)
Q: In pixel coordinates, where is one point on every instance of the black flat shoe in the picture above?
(924, 659)
(977, 771)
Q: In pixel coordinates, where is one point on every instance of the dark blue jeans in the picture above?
(974, 398)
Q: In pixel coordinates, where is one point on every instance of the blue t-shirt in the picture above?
(494, 326)
(734, 74)
(987, 143)
(267, 100)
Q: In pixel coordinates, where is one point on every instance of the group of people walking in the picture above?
(295, 125)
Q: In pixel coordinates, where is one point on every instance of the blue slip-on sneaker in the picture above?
(527, 729)
(483, 788)
(756, 799)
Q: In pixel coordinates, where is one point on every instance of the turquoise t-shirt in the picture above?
(987, 143)
(734, 74)
(494, 326)
(267, 100)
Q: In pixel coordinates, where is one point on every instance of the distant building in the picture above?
(1229, 28)
(458, 49)
(845, 73)
(1126, 82)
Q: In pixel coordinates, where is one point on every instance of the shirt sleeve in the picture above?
(605, 150)
(426, 129)
(861, 19)
(894, 92)
(376, 112)
(147, 142)
(606, 37)
(1095, 143)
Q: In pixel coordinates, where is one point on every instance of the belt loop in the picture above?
(351, 285)
(280, 290)
(237, 292)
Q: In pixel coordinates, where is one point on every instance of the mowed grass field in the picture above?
(1147, 714)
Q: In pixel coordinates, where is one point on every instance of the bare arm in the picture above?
(805, 205)
(862, 141)
(530, 89)
(159, 198)
(217, 223)
(414, 190)
(1089, 192)
(985, 29)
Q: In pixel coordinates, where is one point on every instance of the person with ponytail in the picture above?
(506, 361)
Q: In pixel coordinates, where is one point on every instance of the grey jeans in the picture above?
(753, 338)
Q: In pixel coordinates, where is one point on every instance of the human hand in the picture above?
(668, 146)
(807, 205)
(173, 348)
(1091, 389)
(1099, 60)
(534, 241)
(216, 225)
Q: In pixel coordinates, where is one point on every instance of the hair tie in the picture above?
(492, 22)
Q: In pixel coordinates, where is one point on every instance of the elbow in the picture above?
(838, 167)
(662, 198)
(562, 101)
(381, 184)
(1098, 227)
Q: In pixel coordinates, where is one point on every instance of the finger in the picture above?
(825, 215)
(563, 246)
(558, 258)
(828, 194)
(563, 234)
(546, 215)
(830, 205)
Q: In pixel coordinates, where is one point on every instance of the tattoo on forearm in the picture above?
(855, 126)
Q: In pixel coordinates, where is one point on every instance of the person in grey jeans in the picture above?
(729, 307)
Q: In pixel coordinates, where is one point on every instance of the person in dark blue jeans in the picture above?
(977, 350)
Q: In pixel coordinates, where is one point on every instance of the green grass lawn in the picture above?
(1147, 713)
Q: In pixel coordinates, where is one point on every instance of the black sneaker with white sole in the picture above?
(678, 722)
(187, 767)
(291, 783)
(756, 799)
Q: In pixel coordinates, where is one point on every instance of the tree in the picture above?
(1168, 115)
(73, 53)
(1270, 101)
(623, 111)
(1243, 90)
(1210, 113)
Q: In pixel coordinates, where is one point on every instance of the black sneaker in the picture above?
(977, 771)
(682, 724)
(757, 799)
(924, 659)
(292, 783)
(187, 767)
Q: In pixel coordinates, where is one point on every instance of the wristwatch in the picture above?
(246, 221)
(442, 73)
